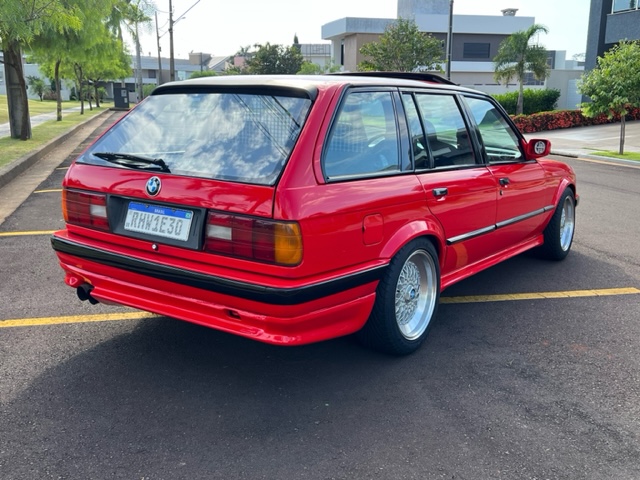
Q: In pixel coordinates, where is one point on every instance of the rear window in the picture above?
(225, 136)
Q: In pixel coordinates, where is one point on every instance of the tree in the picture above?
(204, 73)
(93, 50)
(20, 22)
(131, 14)
(147, 89)
(614, 85)
(403, 48)
(517, 56)
(37, 86)
(310, 68)
(110, 61)
(274, 60)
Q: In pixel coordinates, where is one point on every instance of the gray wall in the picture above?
(623, 26)
(606, 29)
(459, 39)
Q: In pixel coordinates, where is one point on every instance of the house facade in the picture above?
(475, 38)
(610, 21)
(475, 42)
(30, 70)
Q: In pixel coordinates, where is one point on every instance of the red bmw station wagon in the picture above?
(294, 209)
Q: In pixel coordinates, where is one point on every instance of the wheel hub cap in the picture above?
(407, 293)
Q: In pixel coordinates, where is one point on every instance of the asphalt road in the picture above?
(525, 388)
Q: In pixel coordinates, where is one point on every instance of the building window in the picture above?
(530, 79)
(476, 50)
(151, 74)
(624, 5)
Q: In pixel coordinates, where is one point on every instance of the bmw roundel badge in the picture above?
(153, 186)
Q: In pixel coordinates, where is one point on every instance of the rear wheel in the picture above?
(558, 235)
(406, 301)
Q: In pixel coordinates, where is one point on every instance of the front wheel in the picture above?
(558, 235)
(406, 301)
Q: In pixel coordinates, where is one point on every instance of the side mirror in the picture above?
(536, 148)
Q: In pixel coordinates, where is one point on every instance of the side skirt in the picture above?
(469, 270)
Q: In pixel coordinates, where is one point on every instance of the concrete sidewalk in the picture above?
(5, 129)
(20, 165)
(584, 141)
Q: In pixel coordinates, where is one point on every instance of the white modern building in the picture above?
(475, 42)
(30, 70)
(475, 38)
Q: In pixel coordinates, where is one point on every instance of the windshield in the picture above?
(225, 136)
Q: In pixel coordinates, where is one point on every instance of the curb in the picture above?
(612, 161)
(15, 168)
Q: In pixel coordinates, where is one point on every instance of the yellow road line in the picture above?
(49, 190)
(541, 295)
(114, 317)
(24, 234)
(105, 317)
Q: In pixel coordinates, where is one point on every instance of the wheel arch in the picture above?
(562, 186)
(428, 229)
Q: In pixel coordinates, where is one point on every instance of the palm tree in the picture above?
(517, 56)
(130, 14)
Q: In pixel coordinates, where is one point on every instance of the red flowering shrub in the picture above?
(539, 122)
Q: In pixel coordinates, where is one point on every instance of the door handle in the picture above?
(504, 181)
(440, 192)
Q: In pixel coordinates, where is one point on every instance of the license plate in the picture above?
(158, 220)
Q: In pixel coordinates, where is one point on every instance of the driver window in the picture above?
(500, 141)
(364, 138)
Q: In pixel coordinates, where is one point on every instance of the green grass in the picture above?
(635, 156)
(11, 149)
(36, 107)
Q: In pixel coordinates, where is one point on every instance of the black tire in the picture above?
(558, 235)
(406, 301)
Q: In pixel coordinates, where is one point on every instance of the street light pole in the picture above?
(449, 40)
(138, 67)
(159, 58)
(172, 66)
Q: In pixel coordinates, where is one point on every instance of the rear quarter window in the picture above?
(364, 137)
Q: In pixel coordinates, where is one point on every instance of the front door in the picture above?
(523, 191)
(459, 189)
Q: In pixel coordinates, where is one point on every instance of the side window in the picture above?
(500, 141)
(447, 134)
(364, 138)
(418, 140)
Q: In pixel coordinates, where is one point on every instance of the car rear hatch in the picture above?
(192, 167)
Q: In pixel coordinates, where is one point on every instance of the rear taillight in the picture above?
(255, 239)
(85, 209)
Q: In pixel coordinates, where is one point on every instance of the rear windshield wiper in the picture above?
(134, 161)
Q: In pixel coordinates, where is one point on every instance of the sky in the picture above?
(221, 28)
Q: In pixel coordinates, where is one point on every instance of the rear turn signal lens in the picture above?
(254, 239)
(288, 243)
(85, 209)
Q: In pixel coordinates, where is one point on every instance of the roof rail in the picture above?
(421, 76)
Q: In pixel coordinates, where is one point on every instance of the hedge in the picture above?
(534, 101)
(539, 122)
